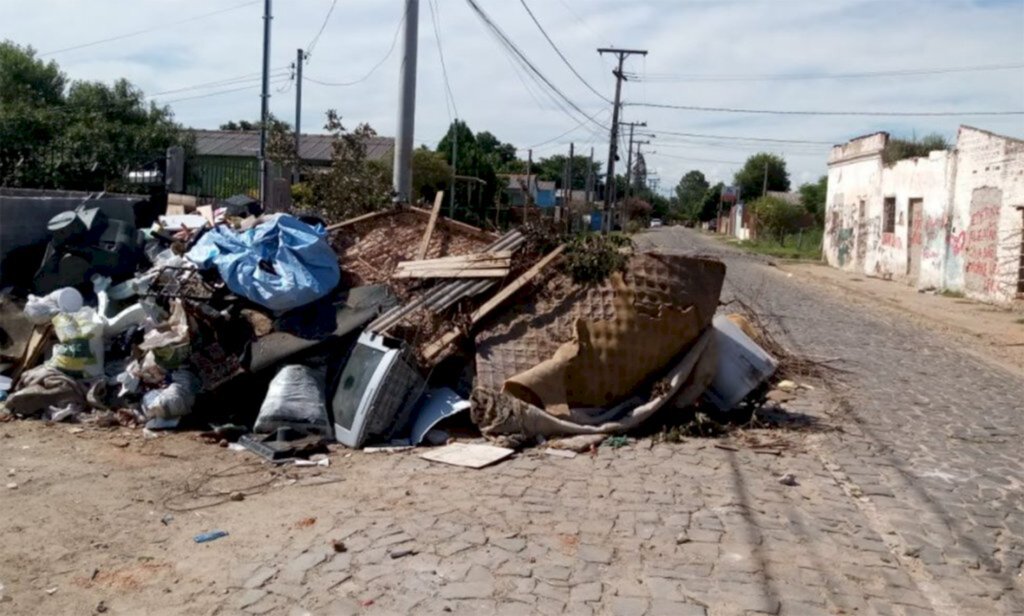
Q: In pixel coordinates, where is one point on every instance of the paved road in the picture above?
(908, 501)
(910, 504)
(932, 436)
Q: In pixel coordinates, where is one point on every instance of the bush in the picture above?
(775, 217)
(590, 258)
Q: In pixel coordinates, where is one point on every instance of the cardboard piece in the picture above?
(470, 455)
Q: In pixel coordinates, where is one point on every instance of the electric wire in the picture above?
(562, 55)
(791, 112)
(697, 78)
(148, 30)
(218, 93)
(316, 39)
(571, 130)
(553, 92)
(391, 49)
(449, 95)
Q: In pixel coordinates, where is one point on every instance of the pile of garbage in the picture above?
(396, 328)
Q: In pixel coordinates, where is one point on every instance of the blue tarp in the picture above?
(298, 265)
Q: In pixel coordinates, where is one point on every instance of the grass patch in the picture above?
(806, 245)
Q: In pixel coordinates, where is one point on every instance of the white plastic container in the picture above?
(742, 365)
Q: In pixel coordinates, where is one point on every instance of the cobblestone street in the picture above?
(908, 501)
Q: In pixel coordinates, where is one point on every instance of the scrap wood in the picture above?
(453, 273)
(480, 259)
(41, 334)
(352, 221)
(499, 298)
(425, 242)
(455, 224)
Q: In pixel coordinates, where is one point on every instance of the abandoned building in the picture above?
(952, 220)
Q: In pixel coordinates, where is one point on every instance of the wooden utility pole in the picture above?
(764, 190)
(590, 178)
(629, 155)
(609, 192)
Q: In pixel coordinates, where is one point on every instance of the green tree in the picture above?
(430, 173)
(690, 193)
(497, 152)
(711, 202)
(475, 161)
(812, 197)
(552, 168)
(775, 217)
(273, 123)
(85, 135)
(354, 184)
(751, 178)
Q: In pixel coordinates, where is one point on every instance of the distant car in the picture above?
(655, 222)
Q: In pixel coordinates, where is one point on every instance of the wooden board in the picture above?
(206, 211)
(425, 242)
(470, 455)
(454, 265)
(499, 298)
(453, 273)
(352, 221)
(34, 349)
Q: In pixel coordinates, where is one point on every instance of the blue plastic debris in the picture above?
(210, 536)
(280, 264)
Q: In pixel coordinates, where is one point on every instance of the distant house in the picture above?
(227, 161)
(541, 193)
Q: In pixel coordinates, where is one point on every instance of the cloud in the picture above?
(716, 38)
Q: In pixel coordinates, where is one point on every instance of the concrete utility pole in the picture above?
(299, 59)
(629, 156)
(572, 161)
(609, 191)
(455, 168)
(402, 178)
(265, 104)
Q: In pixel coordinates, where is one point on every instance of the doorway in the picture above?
(915, 239)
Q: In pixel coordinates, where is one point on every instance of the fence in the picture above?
(221, 176)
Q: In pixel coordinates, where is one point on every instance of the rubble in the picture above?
(392, 330)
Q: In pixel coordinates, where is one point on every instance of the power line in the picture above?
(219, 92)
(312, 43)
(147, 30)
(574, 128)
(556, 95)
(222, 82)
(697, 160)
(728, 137)
(905, 114)
(391, 49)
(449, 96)
(561, 55)
(693, 77)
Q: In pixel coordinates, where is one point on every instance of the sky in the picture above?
(793, 55)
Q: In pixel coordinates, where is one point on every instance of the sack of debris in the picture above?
(295, 400)
(281, 264)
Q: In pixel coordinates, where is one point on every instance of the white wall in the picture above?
(854, 176)
(986, 220)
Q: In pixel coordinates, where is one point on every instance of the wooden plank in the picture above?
(206, 211)
(454, 265)
(175, 209)
(470, 455)
(504, 255)
(425, 242)
(454, 224)
(434, 348)
(469, 273)
(364, 217)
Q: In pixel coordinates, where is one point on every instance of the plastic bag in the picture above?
(80, 347)
(295, 399)
(173, 333)
(39, 310)
(281, 264)
(175, 400)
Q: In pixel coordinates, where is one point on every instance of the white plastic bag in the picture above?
(295, 399)
(39, 310)
(175, 400)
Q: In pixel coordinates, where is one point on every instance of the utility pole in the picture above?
(572, 161)
(764, 190)
(632, 180)
(402, 178)
(299, 59)
(629, 156)
(590, 177)
(609, 192)
(526, 196)
(265, 101)
(455, 167)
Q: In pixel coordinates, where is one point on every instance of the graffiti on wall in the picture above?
(934, 229)
(844, 242)
(982, 238)
(891, 240)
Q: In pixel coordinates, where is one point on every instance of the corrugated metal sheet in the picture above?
(315, 148)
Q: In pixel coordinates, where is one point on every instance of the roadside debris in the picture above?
(213, 535)
(395, 329)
